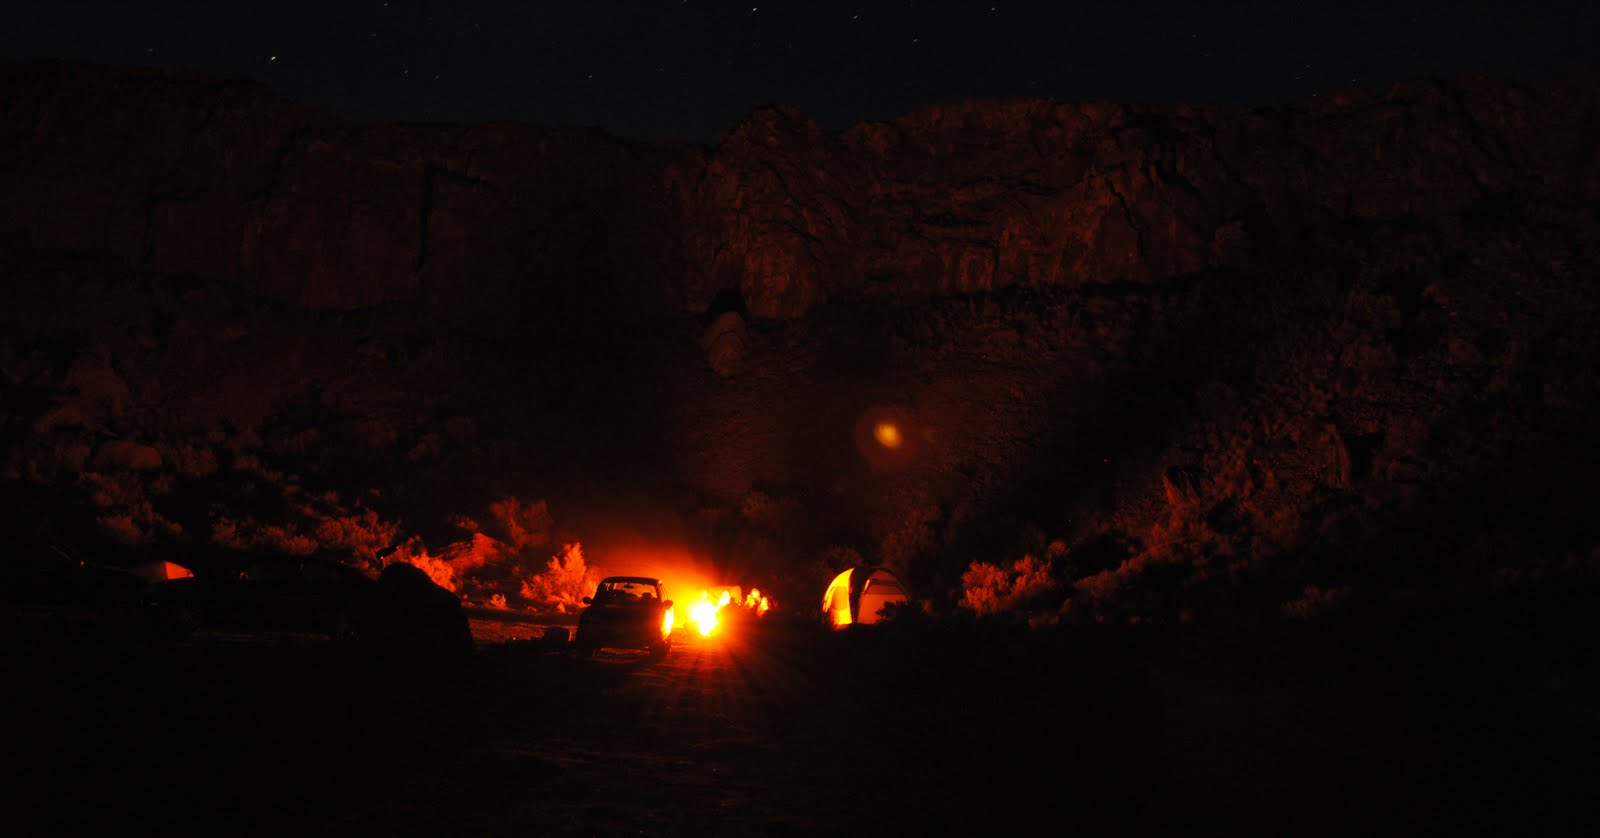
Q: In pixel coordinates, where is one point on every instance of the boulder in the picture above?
(409, 613)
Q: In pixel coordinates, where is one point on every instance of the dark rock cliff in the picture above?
(1173, 358)
(499, 224)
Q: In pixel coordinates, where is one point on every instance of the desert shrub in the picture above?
(125, 510)
(426, 449)
(527, 524)
(438, 569)
(836, 558)
(246, 534)
(1101, 587)
(984, 588)
(564, 582)
(917, 535)
(991, 589)
(1315, 601)
(361, 533)
(478, 565)
(190, 457)
(485, 568)
(909, 614)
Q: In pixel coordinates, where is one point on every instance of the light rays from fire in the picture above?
(706, 614)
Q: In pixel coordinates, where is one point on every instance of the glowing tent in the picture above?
(162, 571)
(859, 595)
(836, 602)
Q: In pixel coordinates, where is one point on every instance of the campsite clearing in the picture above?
(786, 727)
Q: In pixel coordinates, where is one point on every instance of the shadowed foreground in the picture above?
(1480, 715)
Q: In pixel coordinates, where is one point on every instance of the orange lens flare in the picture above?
(888, 436)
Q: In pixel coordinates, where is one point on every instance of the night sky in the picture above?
(688, 69)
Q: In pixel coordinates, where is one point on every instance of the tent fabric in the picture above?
(161, 571)
(836, 602)
(880, 589)
(858, 595)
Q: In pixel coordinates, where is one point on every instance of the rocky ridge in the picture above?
(496, 225)
(1156, 360)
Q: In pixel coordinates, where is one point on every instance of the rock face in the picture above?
(185, 175)
(1137, 362)
(503, 228)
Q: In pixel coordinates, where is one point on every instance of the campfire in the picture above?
(706, 614)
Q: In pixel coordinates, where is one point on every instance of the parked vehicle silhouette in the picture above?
(626, 612)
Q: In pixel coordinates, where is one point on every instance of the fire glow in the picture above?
(706, 614)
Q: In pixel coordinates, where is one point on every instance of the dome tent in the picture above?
(858, 596)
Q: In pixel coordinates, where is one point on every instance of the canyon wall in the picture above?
(497, 228)
(1146, 361)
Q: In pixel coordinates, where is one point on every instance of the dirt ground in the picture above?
(787, 729)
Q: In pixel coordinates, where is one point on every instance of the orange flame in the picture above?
(704, 613)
